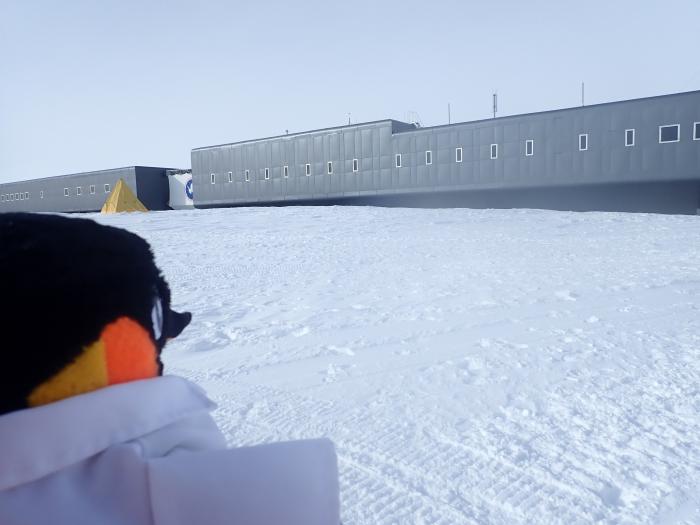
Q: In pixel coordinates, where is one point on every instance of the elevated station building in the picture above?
(634, 155)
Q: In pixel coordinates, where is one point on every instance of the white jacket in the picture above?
(148, 452)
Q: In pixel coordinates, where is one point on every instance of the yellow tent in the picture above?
(122, 199)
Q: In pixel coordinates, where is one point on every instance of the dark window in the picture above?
(494, 151)
(696, 131)
(670, 133)
(629, 137)
(247, 175)
(267, 173)
(66, 191)
(78, 190)
(41, 194)
(583, 142)
(308, 170)
(355, 165)
(286, 171)
(529, 147)
(330, 168)
(230, 176)
(213, 178)
(398, 160)
(428, 157)
(92, 189)
(107, 188)
(458, 155)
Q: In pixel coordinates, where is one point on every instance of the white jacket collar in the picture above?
(39, 441)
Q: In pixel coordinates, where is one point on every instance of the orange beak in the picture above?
(124, 352)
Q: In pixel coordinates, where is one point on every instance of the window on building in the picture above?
(107, 188)
(629, 137)
(41, 194)
(267, 173)
(213, 178)
(398, 160)
(78, 190)
(2, 198)
(26, 195)
(355, 165)
(285, 171)
(230, 176)
(21, 196)
(247, 175)
(66, 192)
(428, 158)
(92, 189)
(17, 196)
(12, 197)
(696, 131)
(494, 151)
(670, 133)
(529, 148)
(583, 142)
(308, 170)
(330, 168)
(458, 155)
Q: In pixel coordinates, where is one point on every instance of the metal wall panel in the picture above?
(152, 187)
(556, 160)
(47, 194)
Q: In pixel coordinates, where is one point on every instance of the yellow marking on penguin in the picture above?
(87, 373)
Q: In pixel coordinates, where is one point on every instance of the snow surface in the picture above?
(472, 366)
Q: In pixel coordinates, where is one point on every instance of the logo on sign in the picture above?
(188, 190)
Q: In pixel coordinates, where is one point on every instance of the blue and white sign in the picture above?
(181, 191)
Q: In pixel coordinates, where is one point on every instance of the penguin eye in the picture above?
(157, 318)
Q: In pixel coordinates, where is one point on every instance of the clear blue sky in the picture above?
(89, 85)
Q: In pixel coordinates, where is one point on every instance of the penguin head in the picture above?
(82, 306)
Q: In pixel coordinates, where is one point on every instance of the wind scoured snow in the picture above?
(472, 366)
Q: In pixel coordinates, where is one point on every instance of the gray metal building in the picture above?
(85, 192)
(634, 155)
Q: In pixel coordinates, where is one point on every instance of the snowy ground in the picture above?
(471, 366)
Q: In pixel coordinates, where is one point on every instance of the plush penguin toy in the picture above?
(82, 306)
